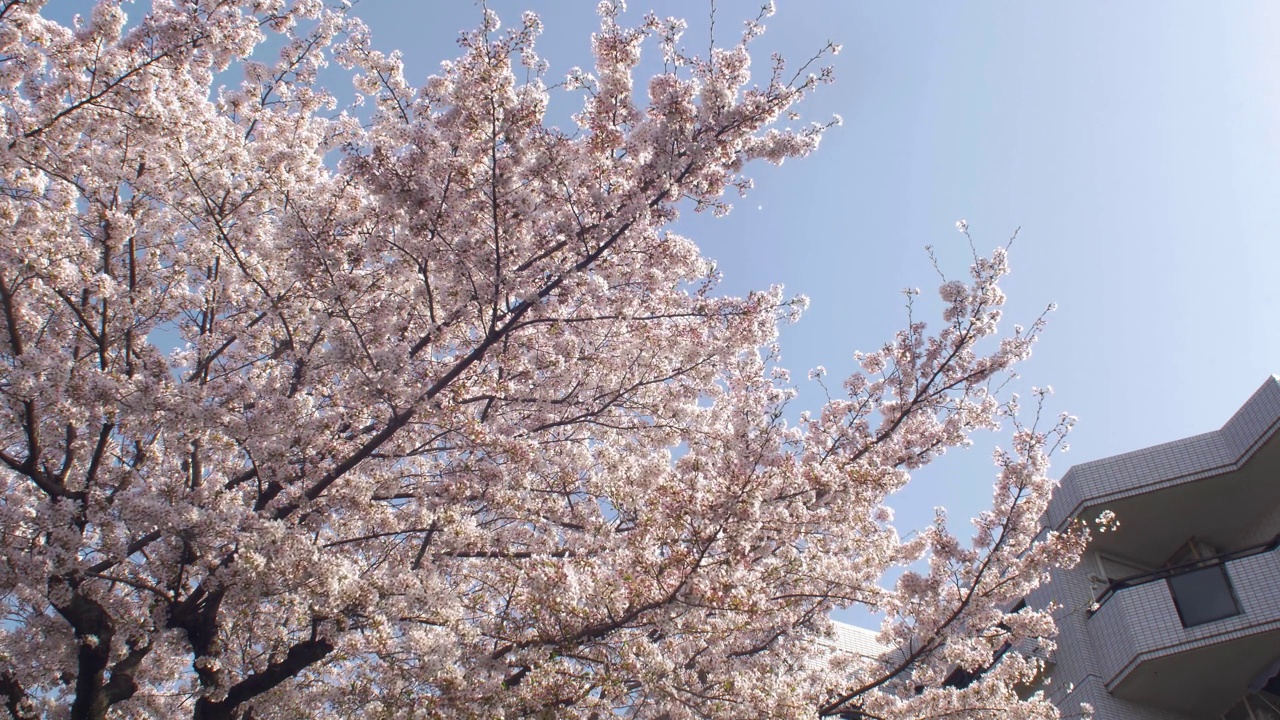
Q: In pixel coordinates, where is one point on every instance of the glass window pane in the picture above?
(1203, 595)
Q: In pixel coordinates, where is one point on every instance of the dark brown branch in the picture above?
(99, 451)
(37, 476)
(15, 697)
(133, 547)
(299, 658)
(10, 318)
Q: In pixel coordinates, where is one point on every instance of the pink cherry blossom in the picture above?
(418, 409)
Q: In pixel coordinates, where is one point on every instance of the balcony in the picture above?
(1191, 639)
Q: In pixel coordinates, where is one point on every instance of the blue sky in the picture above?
(1135, 144)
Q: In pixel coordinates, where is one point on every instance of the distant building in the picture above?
(1175, 615)
(858, 641)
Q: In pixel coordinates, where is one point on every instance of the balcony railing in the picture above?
(1201, 589)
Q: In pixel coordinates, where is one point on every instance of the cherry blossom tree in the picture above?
(455, 425)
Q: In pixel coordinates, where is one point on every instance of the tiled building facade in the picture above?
(1176, 615)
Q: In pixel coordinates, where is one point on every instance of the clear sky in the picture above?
(1135, 144)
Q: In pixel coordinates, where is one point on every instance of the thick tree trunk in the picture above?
(94, 632)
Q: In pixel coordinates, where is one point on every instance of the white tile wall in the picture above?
(1096, 652)
(1180, 461)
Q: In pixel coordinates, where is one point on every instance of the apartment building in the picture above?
(1176, 614)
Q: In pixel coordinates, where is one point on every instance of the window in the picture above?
(1203, 595)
